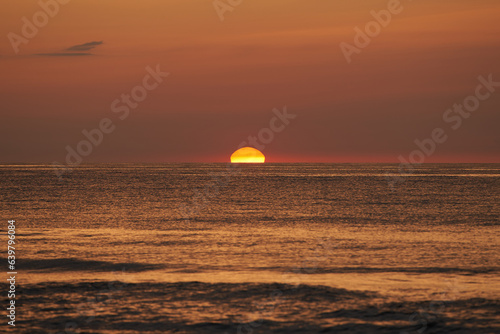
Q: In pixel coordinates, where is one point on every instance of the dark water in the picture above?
(285, 248)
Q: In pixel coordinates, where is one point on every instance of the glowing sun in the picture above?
(248, 155)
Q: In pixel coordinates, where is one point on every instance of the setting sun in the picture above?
(248, 155)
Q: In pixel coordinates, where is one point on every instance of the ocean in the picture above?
(267, 248)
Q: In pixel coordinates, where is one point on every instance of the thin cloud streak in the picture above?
(84, 47)
(64, 54)
(79, 47)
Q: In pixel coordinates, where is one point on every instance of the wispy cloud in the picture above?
(84, 47)
(64, 54)
(75, 50)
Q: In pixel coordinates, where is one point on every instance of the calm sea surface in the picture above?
(272, 248)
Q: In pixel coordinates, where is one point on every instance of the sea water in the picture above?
(268, 248)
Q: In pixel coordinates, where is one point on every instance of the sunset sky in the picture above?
(226, 77)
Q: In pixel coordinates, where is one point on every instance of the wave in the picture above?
(72, 264)
(409, 270)
(196, 307)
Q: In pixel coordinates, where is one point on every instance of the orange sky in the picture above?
(227, 76)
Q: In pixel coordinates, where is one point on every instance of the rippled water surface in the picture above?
(284, 248)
